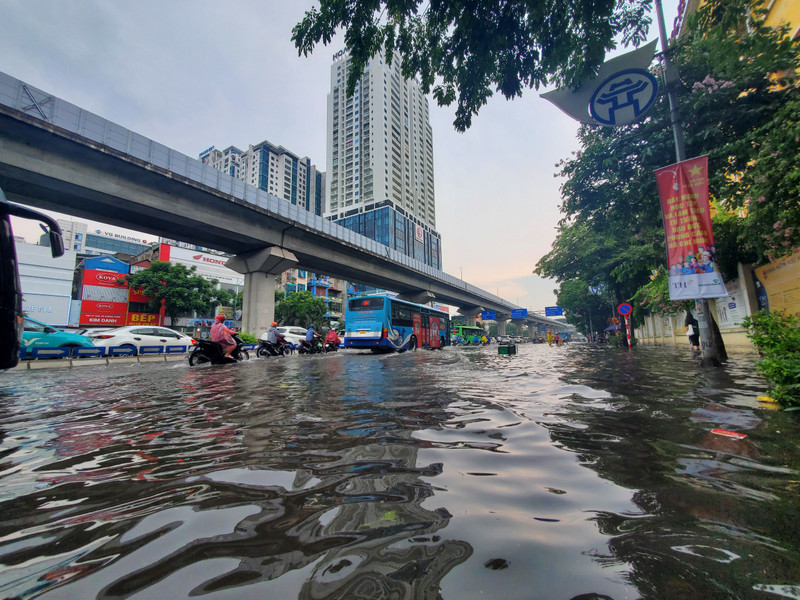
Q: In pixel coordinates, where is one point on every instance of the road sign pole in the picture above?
(628, 330)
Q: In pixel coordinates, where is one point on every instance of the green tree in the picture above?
(466, 50)
(300, 308)
(587, 311)
(612, 230)
(178, 287)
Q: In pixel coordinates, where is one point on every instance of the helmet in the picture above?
(220, 317)
(274, 323)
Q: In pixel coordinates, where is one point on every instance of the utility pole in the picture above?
(708, 344)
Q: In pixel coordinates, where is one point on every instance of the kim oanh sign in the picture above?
(691, 254)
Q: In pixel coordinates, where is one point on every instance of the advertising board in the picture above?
(209, 266)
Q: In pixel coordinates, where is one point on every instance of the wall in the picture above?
(46, 283)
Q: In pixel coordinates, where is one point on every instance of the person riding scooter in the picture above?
(311, 338)
(222, 335)
(332, 340)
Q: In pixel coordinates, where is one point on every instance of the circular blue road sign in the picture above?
(624, 309)
(624, 97)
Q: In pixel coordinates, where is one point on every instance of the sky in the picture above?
(191, 74)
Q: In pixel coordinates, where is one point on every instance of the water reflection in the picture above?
(568, 472)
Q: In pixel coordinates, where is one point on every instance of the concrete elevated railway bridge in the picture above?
(57, 156)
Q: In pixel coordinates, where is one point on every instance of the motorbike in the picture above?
(207, 351)
(312, 347)
(330, 347)
(281, 348)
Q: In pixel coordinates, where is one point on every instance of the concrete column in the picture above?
(259, 269)
(469, 313)
(258, 302)
(501, 327)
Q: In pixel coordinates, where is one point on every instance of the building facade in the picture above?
(380, 159)
(273, 169)
(96, 242)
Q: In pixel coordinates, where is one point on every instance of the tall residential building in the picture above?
(273, 169)
(380, 159)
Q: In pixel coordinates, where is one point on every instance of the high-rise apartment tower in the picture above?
(273, 169)
(380, 159)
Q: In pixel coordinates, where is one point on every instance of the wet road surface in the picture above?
(572, 472)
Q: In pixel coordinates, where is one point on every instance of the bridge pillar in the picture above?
(469, 313)
(501, 326)
(258, 299)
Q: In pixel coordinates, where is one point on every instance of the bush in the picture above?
(776, 336)
(248, 338)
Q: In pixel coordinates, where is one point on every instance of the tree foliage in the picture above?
(300, 308)
(179, 288)
(739, 99)
(466, 50)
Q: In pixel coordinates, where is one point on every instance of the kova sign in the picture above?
(691, 255)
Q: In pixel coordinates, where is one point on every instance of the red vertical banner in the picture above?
(691, 255)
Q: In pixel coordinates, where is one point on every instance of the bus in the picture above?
(10, 291)
(467, 332)
(384, 323)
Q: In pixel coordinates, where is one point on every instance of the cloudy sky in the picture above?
(194, 73)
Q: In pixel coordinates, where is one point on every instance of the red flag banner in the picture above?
(691, 255)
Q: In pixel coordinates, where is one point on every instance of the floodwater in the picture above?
(573, 472)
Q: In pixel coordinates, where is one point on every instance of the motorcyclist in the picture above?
(273, 335)
(310, 336)
(333, 338)
(222, 335)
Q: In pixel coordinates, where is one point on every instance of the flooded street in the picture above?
(572, 472)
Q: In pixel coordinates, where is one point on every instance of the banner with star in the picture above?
(691, 255)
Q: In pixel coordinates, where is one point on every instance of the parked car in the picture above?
(136, 336)
(36, 334)
(292, 334)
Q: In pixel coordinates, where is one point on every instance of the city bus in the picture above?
(467, 332)
(384, 323)
(11, 316)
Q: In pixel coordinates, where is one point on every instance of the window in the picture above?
(366, 304)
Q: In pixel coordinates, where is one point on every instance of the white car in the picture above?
(294, 335)
(137, 336)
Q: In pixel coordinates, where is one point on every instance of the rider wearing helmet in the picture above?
(310, 335)
(272, 333)
(222, 335)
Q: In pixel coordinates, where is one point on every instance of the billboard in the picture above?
(691, 255)
(209, 266)
(103, 300)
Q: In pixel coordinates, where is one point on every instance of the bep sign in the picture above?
(519, 313)
(488, 315)
(624, 309)
(553, 311)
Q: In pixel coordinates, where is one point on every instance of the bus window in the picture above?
(10, 292)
